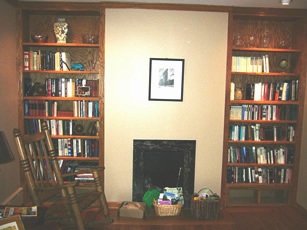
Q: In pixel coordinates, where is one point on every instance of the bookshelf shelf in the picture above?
(74, 136)
(262, 142)
(265, 50)
(69, 101)
(55, 98)
(269, 107)
(276, 74)
(260, 185)
(263, 121)
(258, 165)
(242, 102)
(71, 72)
(61, 118)
(52, 44)
(79, 158)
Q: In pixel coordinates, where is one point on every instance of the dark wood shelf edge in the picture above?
(52, 44)
(276, 50)
(270, 74)
(54, 98)
(66, 158)
(62, 118)
(264, 121)
(263, 142)
(74, 137)
(258, 165)
(252, 102)
(61, 72)
(259, 185)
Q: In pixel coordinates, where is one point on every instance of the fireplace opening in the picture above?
(168, 163)
(164, 168)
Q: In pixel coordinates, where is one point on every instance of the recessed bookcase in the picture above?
(70, 102)
(265, 90)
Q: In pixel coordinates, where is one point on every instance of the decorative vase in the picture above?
(60, 30)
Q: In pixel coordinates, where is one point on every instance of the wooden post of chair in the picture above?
(75, 208)
(52, 156)
(102, 198)
(25, 167)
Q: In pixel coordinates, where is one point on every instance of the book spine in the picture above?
(26, 60)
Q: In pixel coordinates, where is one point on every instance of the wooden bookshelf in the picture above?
(81, 19)
(254, 34)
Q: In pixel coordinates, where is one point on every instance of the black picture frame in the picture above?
(166, 78)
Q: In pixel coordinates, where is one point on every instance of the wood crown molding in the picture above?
(96, 6)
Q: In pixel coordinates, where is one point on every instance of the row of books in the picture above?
(263, 112)
(259, 175)
(77, 147)
(251, 64)
(260, 155)
(265, 91)
(23, 211)
(46, 108)
(84, 173)
(84, 177)
(257, 132)
(68, 87)
(46, 60)
(62, 127)
(80, 168)
(68, 127)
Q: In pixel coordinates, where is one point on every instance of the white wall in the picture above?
(132, 37)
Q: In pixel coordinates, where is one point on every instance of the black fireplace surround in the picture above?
(168, 163)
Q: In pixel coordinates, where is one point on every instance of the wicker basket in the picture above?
(206, 209)
(167, 210)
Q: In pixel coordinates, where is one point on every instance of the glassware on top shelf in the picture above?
(238, 41)
(284, 41)
(265, 39)
(251, 41)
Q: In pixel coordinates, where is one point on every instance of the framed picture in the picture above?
(166, 79)
(11, 223)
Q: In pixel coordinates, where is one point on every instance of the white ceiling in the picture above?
(296, 4)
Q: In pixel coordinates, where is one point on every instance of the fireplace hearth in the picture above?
(168, 163)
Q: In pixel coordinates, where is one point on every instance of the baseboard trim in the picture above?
(301, 208)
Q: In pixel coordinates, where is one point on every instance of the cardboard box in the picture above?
(132, 209)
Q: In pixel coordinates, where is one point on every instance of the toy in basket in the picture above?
(167, 209)
(205, 205)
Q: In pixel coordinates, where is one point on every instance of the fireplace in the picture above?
(168, 163)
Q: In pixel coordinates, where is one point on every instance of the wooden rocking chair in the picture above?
(44, 181)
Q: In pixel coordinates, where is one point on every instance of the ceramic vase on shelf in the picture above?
(60, 30)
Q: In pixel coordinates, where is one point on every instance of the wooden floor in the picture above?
(273, 218)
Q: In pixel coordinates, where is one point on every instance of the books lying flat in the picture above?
(25, 211)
